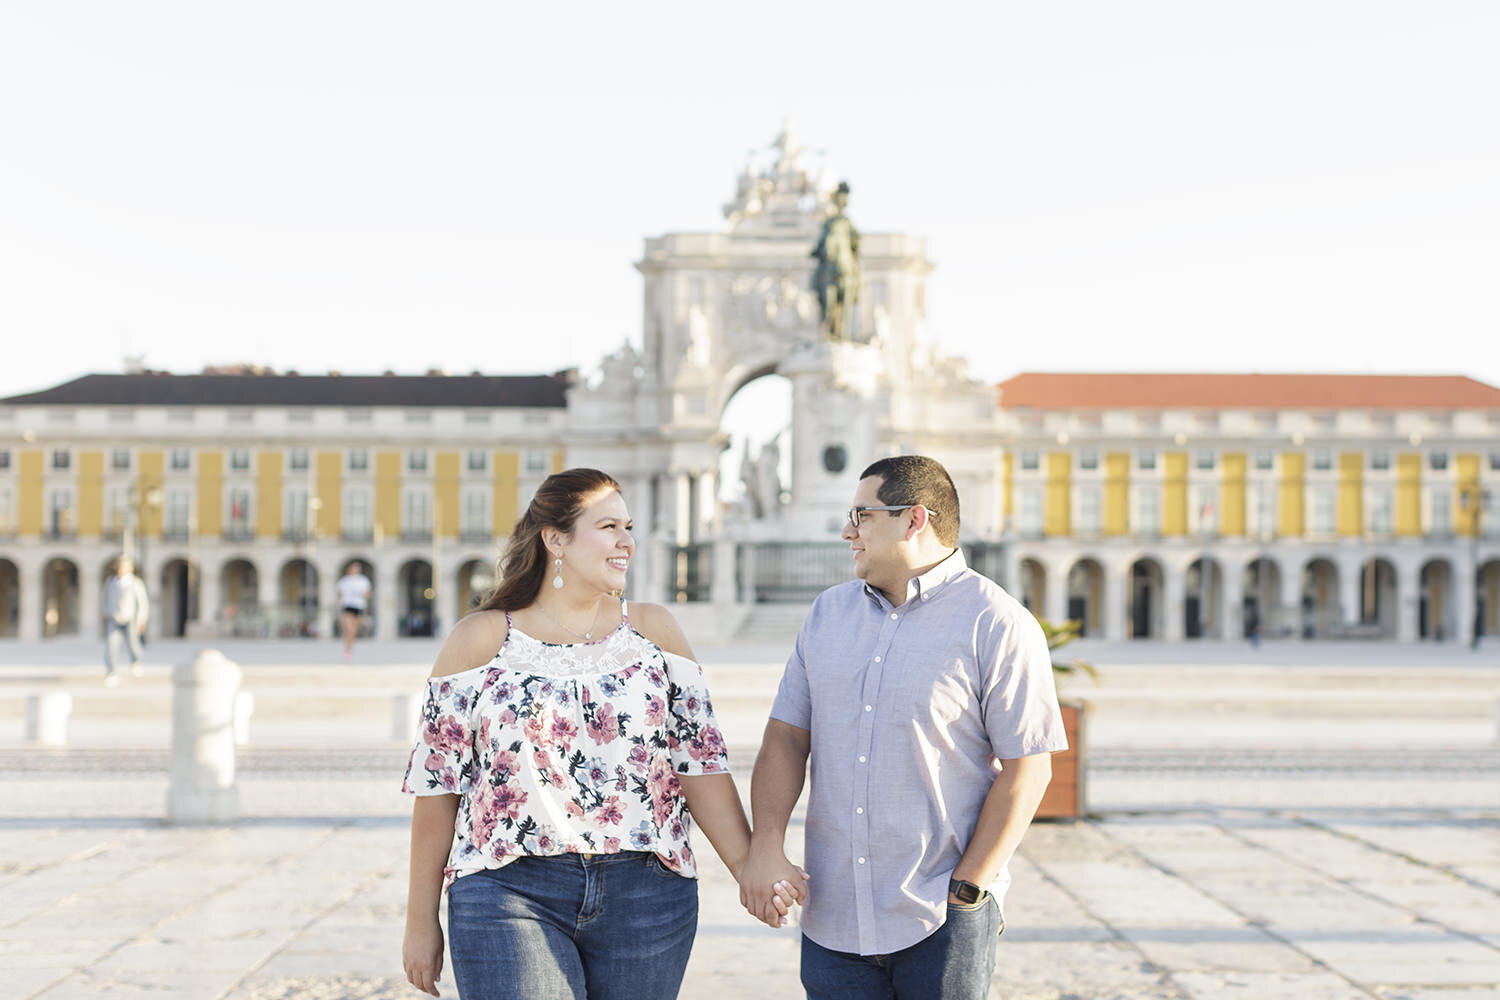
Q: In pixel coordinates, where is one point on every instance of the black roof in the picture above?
(166, 389)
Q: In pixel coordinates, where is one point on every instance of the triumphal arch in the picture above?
(756, 297)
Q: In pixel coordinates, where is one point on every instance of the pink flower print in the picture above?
(509, 800)
(484, 731)
(707, 745)
(662, 785)
(678, 831)
(563, 730)
(544, 842)
(611, 845)
(505, 762)
(541, 758)
(508, 717)
(485, 814)
(656, 711)
(611, 813)
(532, 729)
(639, 758)
(655, 676)
(573, 809)
(604, 727)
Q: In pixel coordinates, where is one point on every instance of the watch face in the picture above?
(967, 892)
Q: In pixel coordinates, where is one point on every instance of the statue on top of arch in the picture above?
(837, 277)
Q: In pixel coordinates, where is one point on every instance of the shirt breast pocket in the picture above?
(943, 695)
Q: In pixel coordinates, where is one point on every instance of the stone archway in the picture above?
(1489, 598)
(1086, 596)
(1437, 612)
(476, 578)
(239, 598)
(60, 598)
(297, 599)
(1147, 604)
(1203, 599)
(414, 599)
(10, 599)
(1377, 596)
(1033, 591)
(176, 602)
(1320, 598)
(1262, 611)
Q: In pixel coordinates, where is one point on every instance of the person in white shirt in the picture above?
(354, 601)
(126, 611)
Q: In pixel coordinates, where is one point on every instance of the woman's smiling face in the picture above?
(598, 551)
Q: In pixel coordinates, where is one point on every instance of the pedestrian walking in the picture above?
(922, 694)
(127, 609)
(354, 602)
(565, 737)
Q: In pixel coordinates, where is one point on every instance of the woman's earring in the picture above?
(557, 580)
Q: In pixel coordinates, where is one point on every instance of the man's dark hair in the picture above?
(916, 479)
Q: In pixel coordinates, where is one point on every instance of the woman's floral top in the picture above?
(576, 748)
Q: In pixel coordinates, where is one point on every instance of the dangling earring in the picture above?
(557, 580)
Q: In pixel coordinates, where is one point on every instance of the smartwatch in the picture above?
(967, 892)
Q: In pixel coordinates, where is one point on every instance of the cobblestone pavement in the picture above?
(1234, 849)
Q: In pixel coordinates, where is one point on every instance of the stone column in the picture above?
(202, 789)
(1408, 601)
(723, 588)
(682, 508)
(1463, 597)
(1116, 603)
(1234, 602)
(1172, 596)
(91, 606)
(642, 563)
(29, 600)
(1349, 594)
(1055, 604)
(386, 590)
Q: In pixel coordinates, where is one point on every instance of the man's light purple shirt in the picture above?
(909, 709)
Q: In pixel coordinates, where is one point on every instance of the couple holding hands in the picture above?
(567, 741)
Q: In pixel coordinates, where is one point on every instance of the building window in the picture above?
(1031, 512)
(1088, 511)
(239, 460)
(7, 512)
(359, 460)
(1088, 459)
(179, 504)
(1494, 461)
(294, 513)
(1204, 460)
(1381, 512)
(119, 460)
(1437, 461)
(116, 510)
(1205, 510)
(416, 513)
(416, 461)
(1442, 512)
(239, 512)
(180, 460)
(1264, 517)
(60, 512)
(357, 512)
(1265, 460)
(1145, 460)
(4, 459)
(1147, 511)
(536, 460)
(1030, 461)
(478, 461)
(1322, 512)
(476, 513)
(297, 460)
(1322, 460)
(1380, 461)
(62, 459)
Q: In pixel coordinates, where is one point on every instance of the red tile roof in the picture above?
(1119, 390)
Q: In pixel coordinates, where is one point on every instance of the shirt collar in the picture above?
(930, 582)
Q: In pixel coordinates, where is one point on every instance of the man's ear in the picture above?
(919, 520)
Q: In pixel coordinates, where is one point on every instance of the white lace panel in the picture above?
(620, 649)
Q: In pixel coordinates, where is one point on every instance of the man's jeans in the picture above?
(954, 962)
(605, 927)
(117, 635)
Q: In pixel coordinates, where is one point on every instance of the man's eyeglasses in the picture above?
(855, 512)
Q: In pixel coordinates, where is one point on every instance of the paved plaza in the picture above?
(1299, 821)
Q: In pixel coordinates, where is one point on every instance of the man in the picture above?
(126, 611)
(923, 695)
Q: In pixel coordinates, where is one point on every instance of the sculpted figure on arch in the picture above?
(837, 277)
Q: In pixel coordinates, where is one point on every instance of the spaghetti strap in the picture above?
(624, 613)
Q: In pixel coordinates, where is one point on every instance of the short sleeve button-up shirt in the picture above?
(909, 709)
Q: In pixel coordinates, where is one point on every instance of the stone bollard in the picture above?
(47, 718)
(203, 717)
(405, 717)
(244, 708)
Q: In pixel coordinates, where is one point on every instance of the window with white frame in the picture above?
(1322, 460)
(357, 511)
(416, 460)
(7, 511)
(296, 460)
(116, 510)
(1265, 460)
(1089, 502)
(239, 509)
(179, 506)
(536, 460)
(416, 512)
(478, 460)
(1489, 504)
(1031, 512)
(1323, 510)
(294, 511)
(1495, 461)
(1381, 511)
(1204, 460)
(1088, 459)
(1440, 512)
(180, 460)
(119, 460)
(239, 460)
(60, 511)
(475, 513)
(1147, 511)
(1145, 459)
(1437, 461)
(359, 460)
(62, 459)
(1380, 461)
(1263, 512)
(4, 459)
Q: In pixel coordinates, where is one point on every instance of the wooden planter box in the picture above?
(1065, 798)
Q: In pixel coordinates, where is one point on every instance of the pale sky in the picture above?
(1288, 185)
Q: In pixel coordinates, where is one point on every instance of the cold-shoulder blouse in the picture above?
(567, 748)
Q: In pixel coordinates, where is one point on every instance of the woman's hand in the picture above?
(422, 955)
(787, 885)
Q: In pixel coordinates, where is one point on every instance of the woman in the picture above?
(564, 734)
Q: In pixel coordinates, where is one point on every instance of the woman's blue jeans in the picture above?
(572, 927)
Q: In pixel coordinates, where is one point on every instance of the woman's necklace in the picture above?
(598, 610)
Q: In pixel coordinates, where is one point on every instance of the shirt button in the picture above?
(877, 659)
(893, 614)
(859, 811)
(925, 596)
(867, 708)
(861, 860)
(861, 758)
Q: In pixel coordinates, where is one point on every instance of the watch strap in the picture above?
(966, 892)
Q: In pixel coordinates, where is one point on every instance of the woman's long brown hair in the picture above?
(557, 504)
